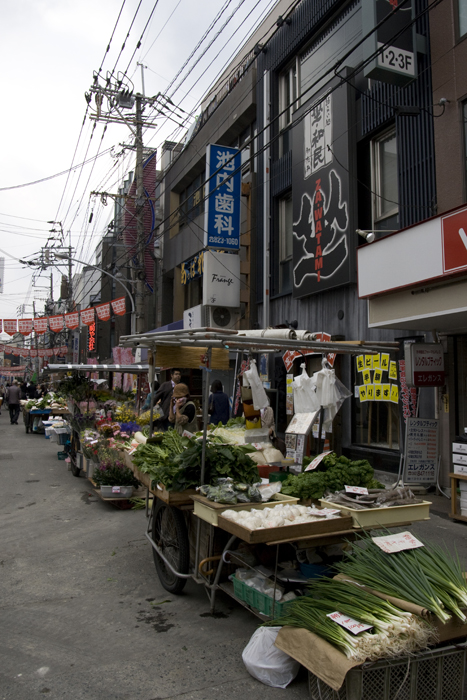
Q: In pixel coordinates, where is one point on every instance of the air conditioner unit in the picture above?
(220, 317)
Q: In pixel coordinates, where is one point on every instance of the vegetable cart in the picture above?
(29, 416)
(171, 522)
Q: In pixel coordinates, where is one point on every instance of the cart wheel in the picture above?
(170, 534)
(75, 470)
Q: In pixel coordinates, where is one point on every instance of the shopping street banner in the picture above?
(10, 326)
(87, 316)
(103, 311)
(118, 306)
(56, 323)
(72, 320)
(25, 326)
(41, 325)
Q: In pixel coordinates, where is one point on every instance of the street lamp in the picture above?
(62, 256)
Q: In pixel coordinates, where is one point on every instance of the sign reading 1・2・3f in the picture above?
(222, 213)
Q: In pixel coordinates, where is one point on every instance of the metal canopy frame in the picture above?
(241, 341)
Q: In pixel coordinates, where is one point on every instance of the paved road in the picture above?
(82, 613)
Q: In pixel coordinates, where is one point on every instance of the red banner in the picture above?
(63, 350)
(103, 311)
(56, 323)
(40, 325)
(41, 352)
(118, 306)
(49, 352)
(15, 352)
(1, 326)
(87, 316)
(24, 352)
(2, 347)
(25, 326)
(72, 320)
(33, 352)
(10, 326)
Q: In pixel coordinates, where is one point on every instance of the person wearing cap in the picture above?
(182, 414)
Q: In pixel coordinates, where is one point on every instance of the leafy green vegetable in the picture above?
(332, 474)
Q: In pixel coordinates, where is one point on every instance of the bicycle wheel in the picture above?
(170, 533)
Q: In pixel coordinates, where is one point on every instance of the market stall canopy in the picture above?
(244, 340)
(127, 369)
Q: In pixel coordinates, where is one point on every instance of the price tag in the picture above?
(133, 449)
(317, 460)
(397, 543)
(356, 489)
(349, 623)
(186, 433)
(257, 446)
(115, 489)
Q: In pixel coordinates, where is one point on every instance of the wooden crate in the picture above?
(172, 498)
(286, 532)
(209, 511)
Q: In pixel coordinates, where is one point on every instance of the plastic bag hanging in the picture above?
(260, 399)
(331, 394)
(304, 393)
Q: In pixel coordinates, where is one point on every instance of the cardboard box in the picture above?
(459, 469)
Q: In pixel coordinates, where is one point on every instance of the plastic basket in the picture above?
(436, 673)
(61, 455)
(63, 438)
(257, 600)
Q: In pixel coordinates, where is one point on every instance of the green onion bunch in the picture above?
(427, 576)
(394, 632)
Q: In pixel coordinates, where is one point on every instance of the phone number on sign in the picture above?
(222, 241)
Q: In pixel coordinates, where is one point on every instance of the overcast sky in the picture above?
(49, 50)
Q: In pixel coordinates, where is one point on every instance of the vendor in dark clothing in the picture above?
(182, 413)
(219, 406)
(163, 397)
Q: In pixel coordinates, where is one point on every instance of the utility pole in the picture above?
(140, 320)
(112, 101)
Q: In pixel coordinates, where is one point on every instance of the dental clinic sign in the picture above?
(224, 185)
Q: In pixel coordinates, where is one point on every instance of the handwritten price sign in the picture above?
(317, 460)
(357, 489)
(397, 543)
(349, 623)
(326, 512)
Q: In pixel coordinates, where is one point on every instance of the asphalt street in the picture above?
(82, 612)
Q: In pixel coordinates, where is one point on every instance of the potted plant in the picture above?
(115, 479)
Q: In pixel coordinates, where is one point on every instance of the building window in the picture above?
(462, 5)
(287, 105)
(192, 200)
(376, 419)
(285, 244)
(385, 185)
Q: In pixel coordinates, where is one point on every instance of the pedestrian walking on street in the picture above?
(14, 395)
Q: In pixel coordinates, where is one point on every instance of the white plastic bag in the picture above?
(266, 662)
(304, 393)
(260, 399)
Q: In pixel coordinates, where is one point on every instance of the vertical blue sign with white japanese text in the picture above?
(224, 183)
